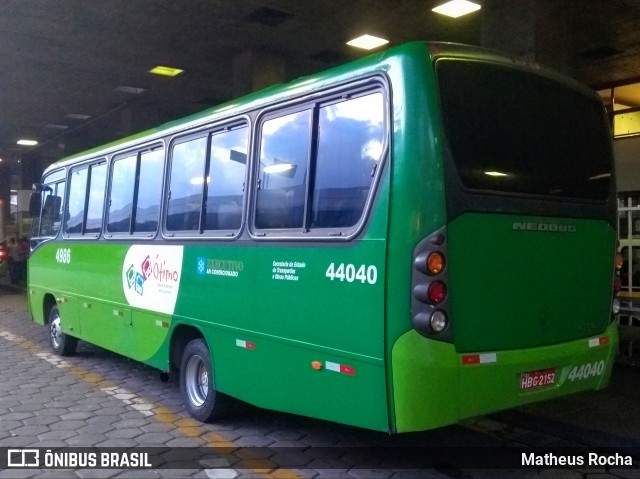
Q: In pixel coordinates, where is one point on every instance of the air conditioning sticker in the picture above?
(151, 277)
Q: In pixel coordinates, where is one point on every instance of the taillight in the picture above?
(437, 292)
(435, 262)
(429, 305)
(3, 254)
(619, 261)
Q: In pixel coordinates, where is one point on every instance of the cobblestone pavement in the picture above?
(99, 399)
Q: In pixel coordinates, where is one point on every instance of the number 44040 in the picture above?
(352, 273)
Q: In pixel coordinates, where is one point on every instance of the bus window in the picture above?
(186, 184)
(134, 200)
(150, 181)
(350, 142)
(76, 204)
(284, 155)
(225, 185)
(121, 194)
(98, 176)
(496, 141)
(51, 210)
(349, 137)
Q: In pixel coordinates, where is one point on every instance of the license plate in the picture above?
(537, 379)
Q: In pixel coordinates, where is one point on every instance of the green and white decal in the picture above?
(151, 277)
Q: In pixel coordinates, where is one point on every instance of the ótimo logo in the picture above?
(136, 279)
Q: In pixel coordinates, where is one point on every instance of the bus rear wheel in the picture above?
(202, 401)
(61, 343)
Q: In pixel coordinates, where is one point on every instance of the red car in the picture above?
(4, 257)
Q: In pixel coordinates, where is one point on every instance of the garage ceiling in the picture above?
(66, 57)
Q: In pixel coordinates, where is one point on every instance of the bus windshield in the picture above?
(514, 132)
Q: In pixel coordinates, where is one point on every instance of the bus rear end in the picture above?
(511, 298)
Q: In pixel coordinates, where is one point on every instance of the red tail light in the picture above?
(429, 303)
(437, 292)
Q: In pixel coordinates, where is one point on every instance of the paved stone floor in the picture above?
(99, 399)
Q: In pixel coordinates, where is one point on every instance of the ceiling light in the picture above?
(56, 126)
(133, 90)
(456, 8)
(367, 42)
(77, 116)
(165, 71)
(495, 173)
(26, 142)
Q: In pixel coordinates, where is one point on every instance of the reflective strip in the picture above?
(601, 341)
(340, 368)
(484, 358)
(245, 344)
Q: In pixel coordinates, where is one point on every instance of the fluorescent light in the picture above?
(278, 168)
(26, 142)
(56, 126)
(77, 116)
(495, 173)
(165, 71)
(456, 8)
(133, 90)
(367, 42)
(601, 176)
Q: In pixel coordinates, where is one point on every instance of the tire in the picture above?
(61, 343)
(197, 388)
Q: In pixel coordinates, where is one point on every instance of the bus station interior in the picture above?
(75, 75)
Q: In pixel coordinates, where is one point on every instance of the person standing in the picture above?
(24, 256)
(14, 259)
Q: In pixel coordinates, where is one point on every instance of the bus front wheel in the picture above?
(201, 399)
(61, 343)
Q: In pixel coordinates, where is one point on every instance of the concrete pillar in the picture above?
(256, 69)
(135, 118)
(532, 30)
(5, 197)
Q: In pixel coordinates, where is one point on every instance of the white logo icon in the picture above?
(23, 458)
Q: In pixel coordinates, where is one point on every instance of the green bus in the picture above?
(420, 236)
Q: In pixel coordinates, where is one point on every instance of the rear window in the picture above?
(511, 131)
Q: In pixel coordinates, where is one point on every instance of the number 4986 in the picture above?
(63, 255)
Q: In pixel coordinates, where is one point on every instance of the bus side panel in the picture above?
(417, 207)
(295, 327)
(44, 264)
(99, 312)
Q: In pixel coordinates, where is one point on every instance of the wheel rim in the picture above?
(197, 380)
(56, 332)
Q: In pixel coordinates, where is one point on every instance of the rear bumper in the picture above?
(434, 386)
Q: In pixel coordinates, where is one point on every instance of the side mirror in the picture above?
(35, 201)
